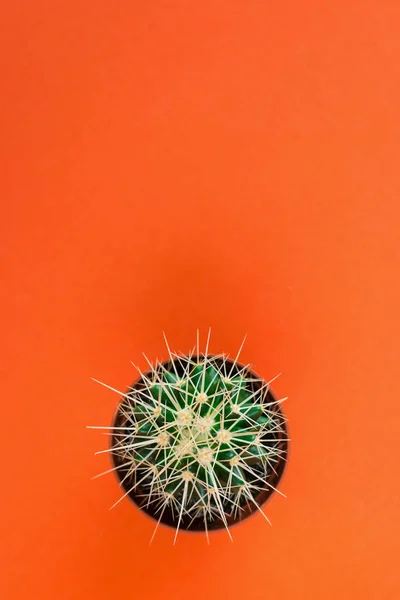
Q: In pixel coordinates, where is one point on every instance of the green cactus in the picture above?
(198, 438)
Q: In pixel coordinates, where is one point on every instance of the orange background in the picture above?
(174, 165)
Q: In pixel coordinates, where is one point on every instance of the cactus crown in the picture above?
(198, 437)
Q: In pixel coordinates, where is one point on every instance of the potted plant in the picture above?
(199, 442)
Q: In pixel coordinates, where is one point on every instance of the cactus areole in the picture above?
(199, 442)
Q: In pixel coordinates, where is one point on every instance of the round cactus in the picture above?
(199, 442)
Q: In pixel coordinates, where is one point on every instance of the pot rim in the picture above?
(263, 495)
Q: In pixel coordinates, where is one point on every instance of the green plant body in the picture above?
(198, 437)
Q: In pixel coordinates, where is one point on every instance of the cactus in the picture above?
(198, 441)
